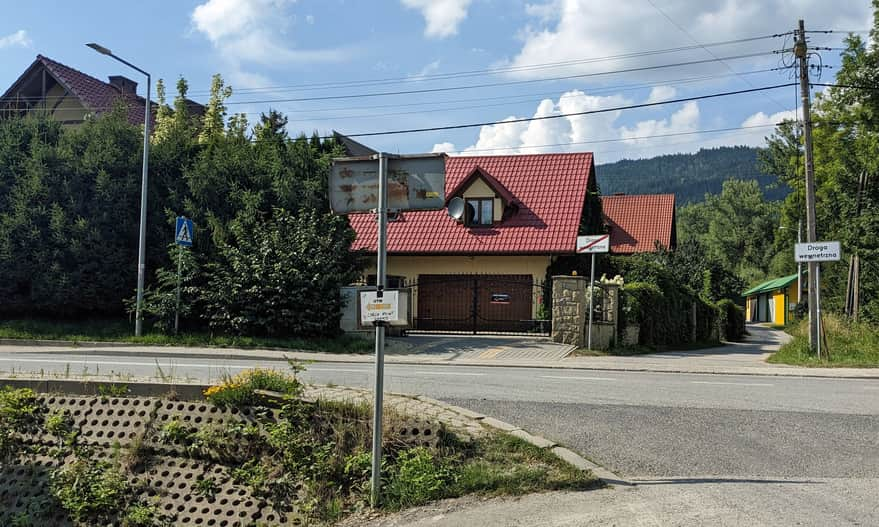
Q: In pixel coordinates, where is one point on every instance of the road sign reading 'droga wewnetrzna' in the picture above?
(415, 182)
(373, 308)
(817, 252)
(183, 232)
(593, 244)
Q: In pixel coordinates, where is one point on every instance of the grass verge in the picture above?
(851, 345)
(121, 331)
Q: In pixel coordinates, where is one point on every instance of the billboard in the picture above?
(415, 182)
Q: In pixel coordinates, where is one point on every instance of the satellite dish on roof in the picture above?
(456, 208)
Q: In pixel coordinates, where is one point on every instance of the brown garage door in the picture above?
(475, 302)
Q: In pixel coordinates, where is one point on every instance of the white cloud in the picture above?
(564, 30)
(309, 19)
(442, 16)
(19, 38)
(661, 93)
(426, 70)
(252, 31)
(761, 119)
(684, 120)
(552, 135)
(443, 147)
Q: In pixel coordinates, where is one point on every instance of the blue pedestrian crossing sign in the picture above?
(183, 232)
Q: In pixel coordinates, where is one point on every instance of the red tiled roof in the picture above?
(96, 95)
(637, 221)
(549, 189)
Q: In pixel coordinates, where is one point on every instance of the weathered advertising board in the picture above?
(415, 182)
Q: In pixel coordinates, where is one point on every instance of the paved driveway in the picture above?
(480, 348)
(736, 357)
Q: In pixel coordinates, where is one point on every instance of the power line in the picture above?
(572, 114)
(509, 101)
(619, 139)
(492, 71)
(849, 86)
(691, 37)
(496, 84)
(562, 115)
(521, 97)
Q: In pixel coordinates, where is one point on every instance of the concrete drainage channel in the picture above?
(107, 420)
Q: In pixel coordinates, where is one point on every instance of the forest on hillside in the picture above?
(689, 176)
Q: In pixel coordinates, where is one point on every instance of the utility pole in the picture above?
(801, 52)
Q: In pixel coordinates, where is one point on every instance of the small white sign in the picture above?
(817, 252)
(593, 244)
(373, 308)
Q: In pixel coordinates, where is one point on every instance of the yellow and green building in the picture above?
(772, 301)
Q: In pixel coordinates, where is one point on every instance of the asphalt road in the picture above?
(755, 434)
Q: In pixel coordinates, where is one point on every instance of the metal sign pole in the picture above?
(179, 273)
(818, 307)
(591, 295)
(381, 279)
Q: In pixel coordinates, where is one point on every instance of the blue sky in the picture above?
(269, 50)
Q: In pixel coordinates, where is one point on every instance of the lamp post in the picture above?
(141, 244)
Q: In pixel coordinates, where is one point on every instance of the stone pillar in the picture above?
(569, 309)
(612, 310)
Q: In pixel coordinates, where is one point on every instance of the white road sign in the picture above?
(817, 252)
(373, 308)
(593, 244)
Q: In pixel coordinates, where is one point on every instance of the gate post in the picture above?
(569, 309)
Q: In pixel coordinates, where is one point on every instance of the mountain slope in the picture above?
(688, 176)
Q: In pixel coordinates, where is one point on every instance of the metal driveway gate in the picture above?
(479, 303)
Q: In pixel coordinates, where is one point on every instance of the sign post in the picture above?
(817, 252)
(381, 282)
(592, 245)
(417, 183)
(183, 238)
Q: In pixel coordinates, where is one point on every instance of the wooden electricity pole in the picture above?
(801, 52)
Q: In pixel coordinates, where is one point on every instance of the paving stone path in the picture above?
(464, 423)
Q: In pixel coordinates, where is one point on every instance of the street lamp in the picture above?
(141, 245)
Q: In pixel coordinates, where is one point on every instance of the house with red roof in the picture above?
(71, 96)
(486, 270)
(636, 223)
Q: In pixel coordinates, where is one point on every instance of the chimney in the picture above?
(123, 84)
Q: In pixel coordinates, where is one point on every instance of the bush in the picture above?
(281, 276)
(732, 320)
(238, 390)
(92, 492)
(419, 478)
(20, 413)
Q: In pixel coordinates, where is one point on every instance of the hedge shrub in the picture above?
(732, 320)
(665, 316)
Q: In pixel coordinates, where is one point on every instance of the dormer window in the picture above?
(487, 203)
(479, 212)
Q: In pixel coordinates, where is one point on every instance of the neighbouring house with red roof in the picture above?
(71, 96)
(486, 270)
(636, 223)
